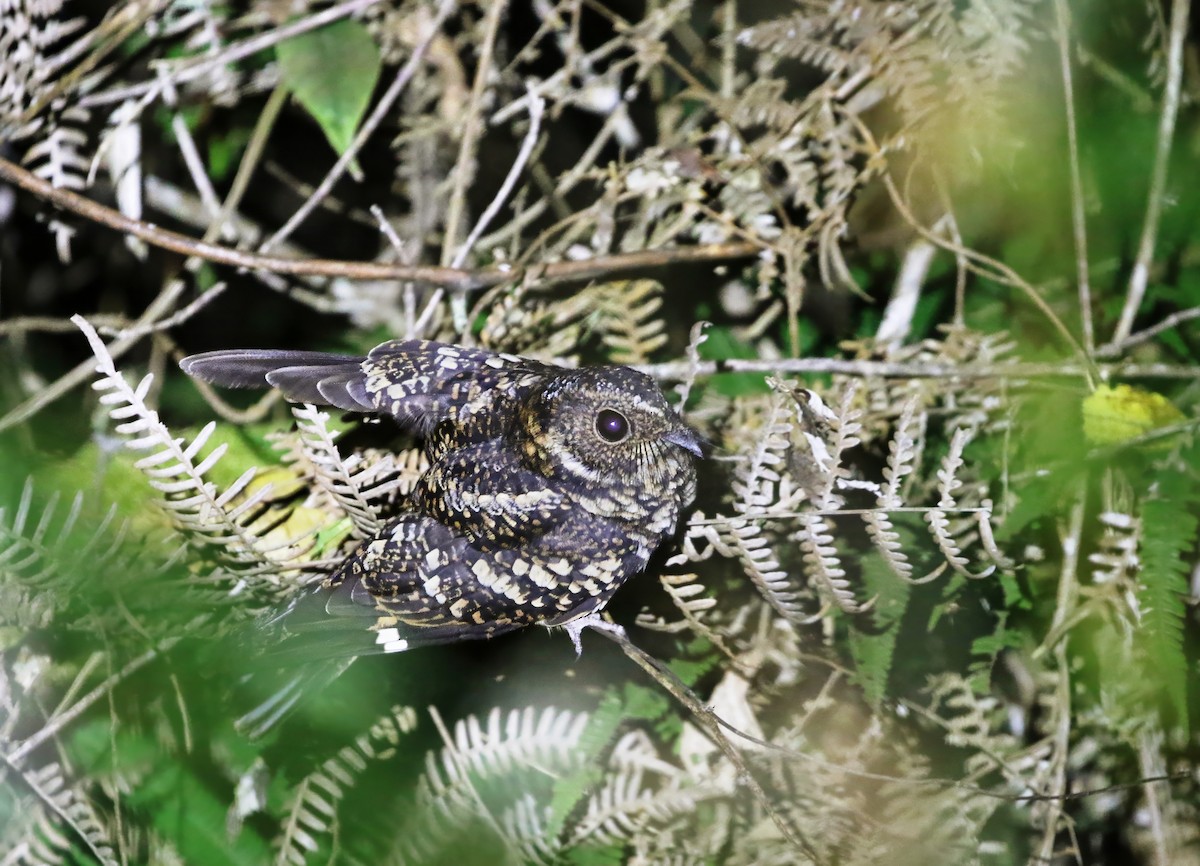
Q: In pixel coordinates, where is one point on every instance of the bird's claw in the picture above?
(593, 620)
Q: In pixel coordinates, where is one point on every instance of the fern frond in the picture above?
(757, 480)
(47, 553)
(350, 483)
(448, 795)
(823, 563)
(798, 36)
(630, 325)
(520, 740)
(212, 518)
(1169, 527)
(312, 812)
(692, 600)
(67, 807)
(874, 649)
(902, 455)
(1116, 555)
(745, 541)
(940, 526)
(626, 807)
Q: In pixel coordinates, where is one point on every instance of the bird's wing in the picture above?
(414, 584)
(418, 382)
(483, 492)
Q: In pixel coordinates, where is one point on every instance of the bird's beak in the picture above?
(686, 438)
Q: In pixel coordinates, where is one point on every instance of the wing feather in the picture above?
(420, 383)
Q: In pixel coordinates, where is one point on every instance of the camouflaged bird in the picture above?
(547, 489)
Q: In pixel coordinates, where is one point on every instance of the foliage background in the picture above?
(942, 237)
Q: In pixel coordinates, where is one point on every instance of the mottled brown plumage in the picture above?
(548, 487)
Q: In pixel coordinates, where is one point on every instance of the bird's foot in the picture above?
(593, 620)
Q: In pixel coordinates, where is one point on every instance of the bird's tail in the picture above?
(312, 679)
(303, 377)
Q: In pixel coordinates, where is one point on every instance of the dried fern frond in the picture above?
(950, 538)
(65, 816)
(629, 320)
(454, 790)
(213, 520)
(353, 483)
(29, 32)
(1116, 557)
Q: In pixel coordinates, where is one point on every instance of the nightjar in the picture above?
(547, 489)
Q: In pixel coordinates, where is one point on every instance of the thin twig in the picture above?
(1140, 275)
(192, 161)
(199, 67)
(1078, 219)
(203, 300)
(1118, 347)
(464, 165)
(711, 723)
(1150, 743)
(987, 267)
(60, 721)
(366, 130)
(677, 371)
(537, 108)
(86, 369)
(454, 278)
(458, 301)
(223, 214)
(51, 325)
(1061, 744)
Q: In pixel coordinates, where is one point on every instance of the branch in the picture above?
(381, 111)
(678, 371)
(1140, 275)
(711, 723)
(1078, 217)
(452, 278)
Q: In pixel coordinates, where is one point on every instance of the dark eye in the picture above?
(611, 425)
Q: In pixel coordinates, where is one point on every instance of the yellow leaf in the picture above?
(1120, 413)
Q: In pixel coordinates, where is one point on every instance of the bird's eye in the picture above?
(611, 425)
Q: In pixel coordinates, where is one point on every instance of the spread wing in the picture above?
(418, 382)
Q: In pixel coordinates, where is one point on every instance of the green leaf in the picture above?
(332, 72)
(722, 345)
(873, 652)
(569, 790)
(1169, 525)
(192, 817)
(987, 649)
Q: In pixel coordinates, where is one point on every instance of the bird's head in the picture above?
(611, 427)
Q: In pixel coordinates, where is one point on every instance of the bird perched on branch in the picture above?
(548, 487)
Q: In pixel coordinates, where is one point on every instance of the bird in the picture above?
(547, 489)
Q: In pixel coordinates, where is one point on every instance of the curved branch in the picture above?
(461, 279)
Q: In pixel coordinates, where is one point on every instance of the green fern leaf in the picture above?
(570, 790)
(873, 652)
(1169, 526)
